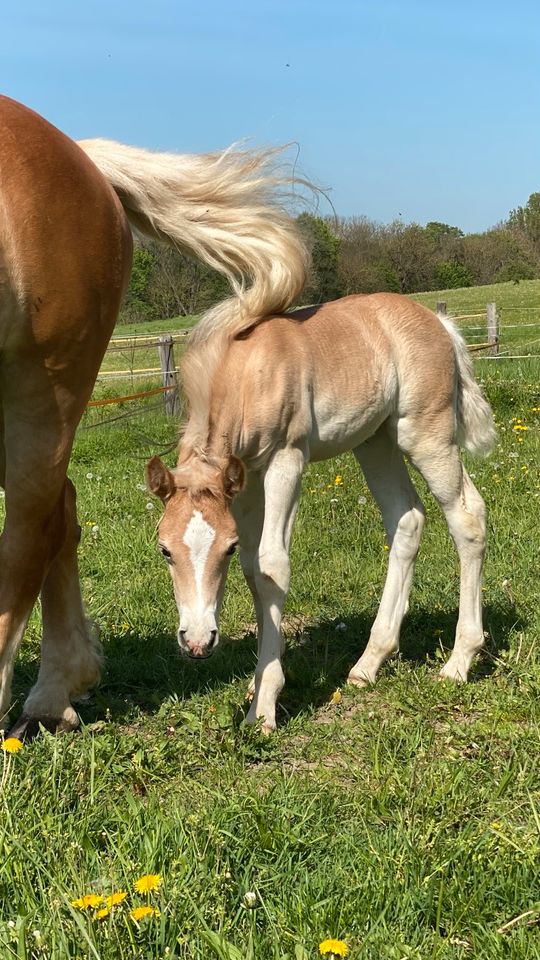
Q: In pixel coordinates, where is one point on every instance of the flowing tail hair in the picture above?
(223, 208)
(476, 429)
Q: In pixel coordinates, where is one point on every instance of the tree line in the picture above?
(352, 255)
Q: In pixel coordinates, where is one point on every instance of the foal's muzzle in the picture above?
(195, 649)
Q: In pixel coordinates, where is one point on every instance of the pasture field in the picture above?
(403, 819)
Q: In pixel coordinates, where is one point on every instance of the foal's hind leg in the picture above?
(465, 513)
(403, 516)
(70, 652)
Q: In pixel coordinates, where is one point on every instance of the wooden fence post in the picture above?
(168, 370)
(441, 308)
(492, 319)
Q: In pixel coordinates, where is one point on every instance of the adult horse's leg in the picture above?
(70, 651)
(37, 440)
(44, 394)
(272, 574)
(248, 509)
(403, 517)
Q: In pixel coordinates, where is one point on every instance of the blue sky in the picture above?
(424, 110)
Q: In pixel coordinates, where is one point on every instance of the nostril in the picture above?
(182, 636)
(213, 638)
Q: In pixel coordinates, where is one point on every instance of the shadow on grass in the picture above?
(140, 673)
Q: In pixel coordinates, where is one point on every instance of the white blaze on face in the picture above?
(198, 538)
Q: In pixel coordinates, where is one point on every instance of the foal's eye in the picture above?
(232, 548)
(165, 553)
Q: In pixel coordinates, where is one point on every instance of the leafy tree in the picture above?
(451, 274)
(324, 282)
(440, 232)
(527, 219)
(138, 300)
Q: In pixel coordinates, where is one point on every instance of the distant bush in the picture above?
(450, 274)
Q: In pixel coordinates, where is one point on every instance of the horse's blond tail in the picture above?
(225, 209)
(476, 429)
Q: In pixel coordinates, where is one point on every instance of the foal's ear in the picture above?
(159, 479)
(234, 477)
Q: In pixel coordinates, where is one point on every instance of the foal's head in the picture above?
(197, 537)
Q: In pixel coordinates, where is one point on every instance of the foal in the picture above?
(379, 375)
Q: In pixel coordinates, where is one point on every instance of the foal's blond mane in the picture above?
(200, 477)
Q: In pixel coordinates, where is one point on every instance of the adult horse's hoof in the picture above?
(28, 728)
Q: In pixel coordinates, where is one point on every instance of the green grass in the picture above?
(170, 325)
(403, 819)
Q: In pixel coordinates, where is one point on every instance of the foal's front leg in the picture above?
(248, 509)
(272, 575)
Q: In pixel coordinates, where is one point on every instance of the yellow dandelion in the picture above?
(150, 881)
(139, 912)
(12, 745)
(333, 948)
(116, 898)
(386, 547)
(338, 482)
(336, 696)
(87, 900)
(101, 914)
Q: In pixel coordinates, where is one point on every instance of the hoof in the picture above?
(358, 681)
(260, 723)
(28, 728)
(451, 674)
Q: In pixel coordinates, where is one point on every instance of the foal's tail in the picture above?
(223, 208)
(476, 429)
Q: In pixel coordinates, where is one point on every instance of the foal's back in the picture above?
(334, 373)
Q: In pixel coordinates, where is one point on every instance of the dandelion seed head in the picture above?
(249, 900)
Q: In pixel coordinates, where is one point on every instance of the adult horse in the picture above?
(66, 212)
(378, 375)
